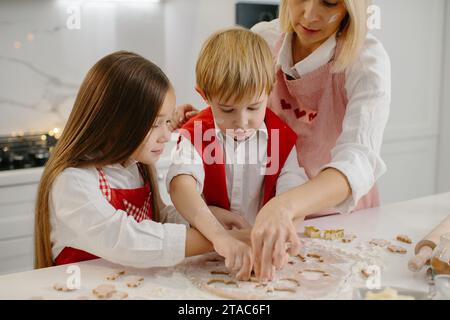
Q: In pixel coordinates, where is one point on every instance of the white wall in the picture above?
(187, 25)
(443, 170)
(39, 80)
(413, 33)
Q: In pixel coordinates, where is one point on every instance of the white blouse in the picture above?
(368, 86)
(244, 170)
(82, 218)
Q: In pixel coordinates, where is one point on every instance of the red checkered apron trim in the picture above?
(138, 213)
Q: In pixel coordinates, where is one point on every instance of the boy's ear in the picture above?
(200, 92)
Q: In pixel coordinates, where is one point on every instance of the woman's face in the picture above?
(152, 147)
(314, 21)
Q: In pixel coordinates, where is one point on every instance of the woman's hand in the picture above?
(237, 254)
(242, 235)
(228, 219)
(273, 237)
(182, 114)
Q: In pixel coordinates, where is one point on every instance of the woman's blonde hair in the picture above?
(235, 64)
(116, 106)
(353, 30)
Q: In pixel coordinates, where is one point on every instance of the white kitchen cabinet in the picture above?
(17, 199)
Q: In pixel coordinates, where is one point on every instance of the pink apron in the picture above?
(135, 202)
(314, 107)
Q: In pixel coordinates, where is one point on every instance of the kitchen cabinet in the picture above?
(17, 199)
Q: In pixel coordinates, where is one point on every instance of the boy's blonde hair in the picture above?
(235, 64)
(353, 30)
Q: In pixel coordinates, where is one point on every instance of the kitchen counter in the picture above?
(20, 176)
(414, 218)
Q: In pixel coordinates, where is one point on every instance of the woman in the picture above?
(333, 89)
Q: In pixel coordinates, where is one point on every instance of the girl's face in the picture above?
(314, 21)
(152, 147)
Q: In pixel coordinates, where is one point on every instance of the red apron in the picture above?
(215, 184)
(135, 202)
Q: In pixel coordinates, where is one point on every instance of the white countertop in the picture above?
(20, 176)
(414, 218)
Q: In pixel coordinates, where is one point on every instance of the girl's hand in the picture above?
(237, 254)
(228, 219)
(182, 114)
(273, 237)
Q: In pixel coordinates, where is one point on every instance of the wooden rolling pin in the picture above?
(425, 247)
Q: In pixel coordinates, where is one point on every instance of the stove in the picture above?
(20, 151)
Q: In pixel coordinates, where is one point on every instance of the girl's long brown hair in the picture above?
(116, 106)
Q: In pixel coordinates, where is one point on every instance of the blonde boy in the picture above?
(236, 154)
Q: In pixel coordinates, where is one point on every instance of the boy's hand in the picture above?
(237, 254)
(182, 114)
(228, 219)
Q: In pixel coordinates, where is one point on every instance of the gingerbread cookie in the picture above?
(115, 274)
(62, 287)
(134, 282)
(312, 232)
(333, 234)
(104, 291)
(396, 249)
(379, 242)
(119, 295)
(330, 234)
(404, 238)
(348, 238)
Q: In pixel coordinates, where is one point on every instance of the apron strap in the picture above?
(105, 188)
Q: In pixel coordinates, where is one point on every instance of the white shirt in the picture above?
(82, 218)
(244, 169)
(368, 87)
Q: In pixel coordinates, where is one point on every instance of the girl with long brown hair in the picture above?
(97, 196)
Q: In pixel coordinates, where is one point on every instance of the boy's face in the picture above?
(240, 120)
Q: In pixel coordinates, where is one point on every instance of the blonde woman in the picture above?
(333, 88)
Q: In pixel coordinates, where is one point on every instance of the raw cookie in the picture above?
(312, 232)
(119, 295)
(396, 249)
(379, 242)
(404, 238)
(135, 282)
(62, 287)
(348, 238)
(333, 234)
(104, 291)
(115, 274)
